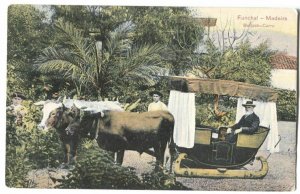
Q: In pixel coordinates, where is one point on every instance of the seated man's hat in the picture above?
(248, 103)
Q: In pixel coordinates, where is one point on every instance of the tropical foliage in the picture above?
(28, 148)
(173, 27)
(234, 58)
(121, 51)
(228, 55)
(91, 68)
(287, 105)
(27, 35)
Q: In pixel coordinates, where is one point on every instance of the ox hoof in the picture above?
(67, 166)
(71, 167)
(63, 166)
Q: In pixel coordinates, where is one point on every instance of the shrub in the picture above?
(45, 149)
(95, 169)
(28, 148)
(17, 165)
(158, 180)
(287, 105)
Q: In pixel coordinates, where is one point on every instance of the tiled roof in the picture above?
(283, 61)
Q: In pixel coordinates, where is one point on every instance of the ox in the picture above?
(61, 116)
(120, 131)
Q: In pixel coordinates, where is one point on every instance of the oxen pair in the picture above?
(64, 116)
(116, 130)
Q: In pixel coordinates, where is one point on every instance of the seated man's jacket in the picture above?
(248, 123)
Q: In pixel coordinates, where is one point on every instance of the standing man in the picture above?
(17, 108)
(157, 104)
(248, 124)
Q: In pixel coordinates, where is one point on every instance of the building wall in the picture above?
(284, 79)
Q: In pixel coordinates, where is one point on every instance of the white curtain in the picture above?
(182, 106)
(266, 111)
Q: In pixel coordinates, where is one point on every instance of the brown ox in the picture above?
(61, 119)
(65, 118)
(120, 131)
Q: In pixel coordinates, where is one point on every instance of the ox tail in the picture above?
(170, 151)
(171, 143)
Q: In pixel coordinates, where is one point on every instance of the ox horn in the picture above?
(64, 99)
(102, 114)
(63, 106)
(59, 99)
(40, 103)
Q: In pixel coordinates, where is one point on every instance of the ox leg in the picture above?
(173, 155)
(159, 152)
(157, 163)
(167, 157)
(120, 156)
(67, 149)
(74, 146)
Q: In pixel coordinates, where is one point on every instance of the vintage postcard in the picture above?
(151, 97)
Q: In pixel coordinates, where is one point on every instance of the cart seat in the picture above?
(254, 140)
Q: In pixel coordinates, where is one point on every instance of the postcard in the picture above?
(151, 97)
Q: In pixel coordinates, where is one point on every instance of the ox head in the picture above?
(52, 110)
(55, 117)
(48, 108)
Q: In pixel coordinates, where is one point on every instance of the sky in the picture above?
(277, 25)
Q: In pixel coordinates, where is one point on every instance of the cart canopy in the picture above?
(182, 105)
(222, 87)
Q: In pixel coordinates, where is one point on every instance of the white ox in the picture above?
(91, 106)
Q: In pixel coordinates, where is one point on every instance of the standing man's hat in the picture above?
(156, 92)
(18, 94)
(55, 94)
(248, 103)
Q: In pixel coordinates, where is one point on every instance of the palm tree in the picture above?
(91, 66)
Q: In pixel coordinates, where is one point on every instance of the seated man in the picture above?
(248, 124)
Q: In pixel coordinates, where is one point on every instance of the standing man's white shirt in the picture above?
(154, 106)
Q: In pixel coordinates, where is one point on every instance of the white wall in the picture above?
(284, 79)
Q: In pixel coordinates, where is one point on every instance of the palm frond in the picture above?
(51, 53)
(145, 74)
(63, 67)
(145, 56)
(66, 63)
(76, 41)
(118, 42)
(143, 64)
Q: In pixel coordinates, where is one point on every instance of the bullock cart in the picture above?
(211, 155)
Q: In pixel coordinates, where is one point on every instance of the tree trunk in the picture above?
(218, 113)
